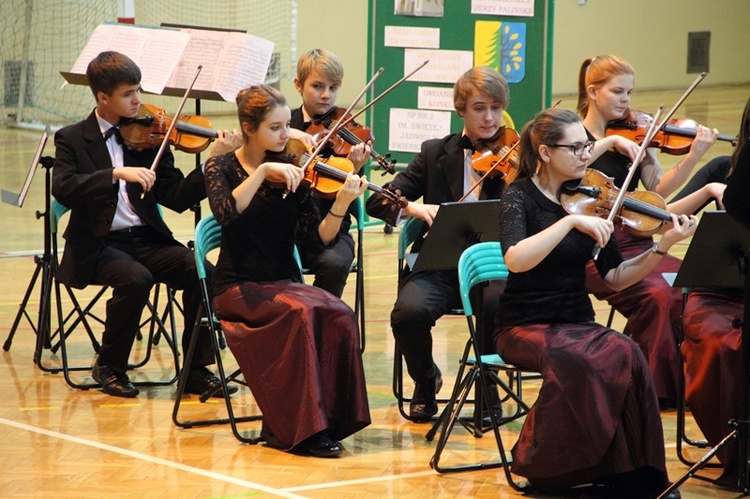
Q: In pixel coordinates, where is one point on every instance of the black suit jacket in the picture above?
(82, 181)
(436, 175)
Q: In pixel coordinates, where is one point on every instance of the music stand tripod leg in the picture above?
(699, 465)
(43, 265)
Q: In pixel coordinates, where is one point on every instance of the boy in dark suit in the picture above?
(441, 172)
(117, 237)
(319, 77)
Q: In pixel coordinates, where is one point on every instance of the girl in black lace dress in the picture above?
(297, 345)
(597, 417)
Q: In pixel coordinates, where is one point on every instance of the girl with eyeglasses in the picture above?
(652, 307)
(596, 420)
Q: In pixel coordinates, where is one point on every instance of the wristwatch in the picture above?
(655, 249)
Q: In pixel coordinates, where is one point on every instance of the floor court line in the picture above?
(285, 492)
(151, 459)
(359, 481)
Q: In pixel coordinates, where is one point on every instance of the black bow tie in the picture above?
(465, 143)
(113, 131)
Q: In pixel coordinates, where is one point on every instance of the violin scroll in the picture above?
(349, 135)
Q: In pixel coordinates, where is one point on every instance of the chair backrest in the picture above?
(408, 234)
(57, 210)
(479, 263)
(207, 238)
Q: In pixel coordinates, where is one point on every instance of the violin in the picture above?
(191, 134)
(642, 213)
(675, 137)
(328, 175)
(347, 136)
(497, 155)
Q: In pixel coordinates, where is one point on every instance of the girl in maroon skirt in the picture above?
(297, 345)
(652, 306)
(596, 419)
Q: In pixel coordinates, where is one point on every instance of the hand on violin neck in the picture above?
(353, 187)
(226, 142)
(704, 139)
(358, 155)
(681, 228)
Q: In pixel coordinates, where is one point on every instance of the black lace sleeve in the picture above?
(512, 217)
(223, 173)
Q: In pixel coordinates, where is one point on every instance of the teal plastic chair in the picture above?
(80, 316)
(480, 264)
(208, 238)
(409, 232)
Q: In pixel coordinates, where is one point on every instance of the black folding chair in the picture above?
(207, 238)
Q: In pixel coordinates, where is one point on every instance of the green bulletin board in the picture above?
(520, 47)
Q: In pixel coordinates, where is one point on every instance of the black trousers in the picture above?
(423, 298)
(130, 263)
(332, 266)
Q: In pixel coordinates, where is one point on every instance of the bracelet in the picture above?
(335, 215)
(655, 249)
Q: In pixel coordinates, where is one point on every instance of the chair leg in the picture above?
(682, 437)
(169, 334)
(451, 415)
(232, 419)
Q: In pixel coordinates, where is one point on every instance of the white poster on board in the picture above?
(408, 128)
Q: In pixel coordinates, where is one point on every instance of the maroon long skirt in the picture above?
(298, 348)
(596, 414)
(712, 359)
(653, 309)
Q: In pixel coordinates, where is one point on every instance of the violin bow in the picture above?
(682, 99)
(172, 125)
(372, 103)
(650, 133)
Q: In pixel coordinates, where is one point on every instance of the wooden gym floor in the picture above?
(56, 441)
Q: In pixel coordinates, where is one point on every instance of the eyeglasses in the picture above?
(577, 148)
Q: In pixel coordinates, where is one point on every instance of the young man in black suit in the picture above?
(441, 172)
(116, 235)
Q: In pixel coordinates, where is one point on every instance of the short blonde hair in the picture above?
(325, 62)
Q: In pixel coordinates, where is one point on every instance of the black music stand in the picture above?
(718, 258)
(45, 264)
(456, 227)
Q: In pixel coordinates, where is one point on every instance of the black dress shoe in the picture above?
(497, 407)
(200, 380)
(112, 383)
(423, 404)
(321, 445)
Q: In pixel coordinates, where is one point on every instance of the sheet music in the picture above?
(231, 61)
(170, 57)
(155, 50)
